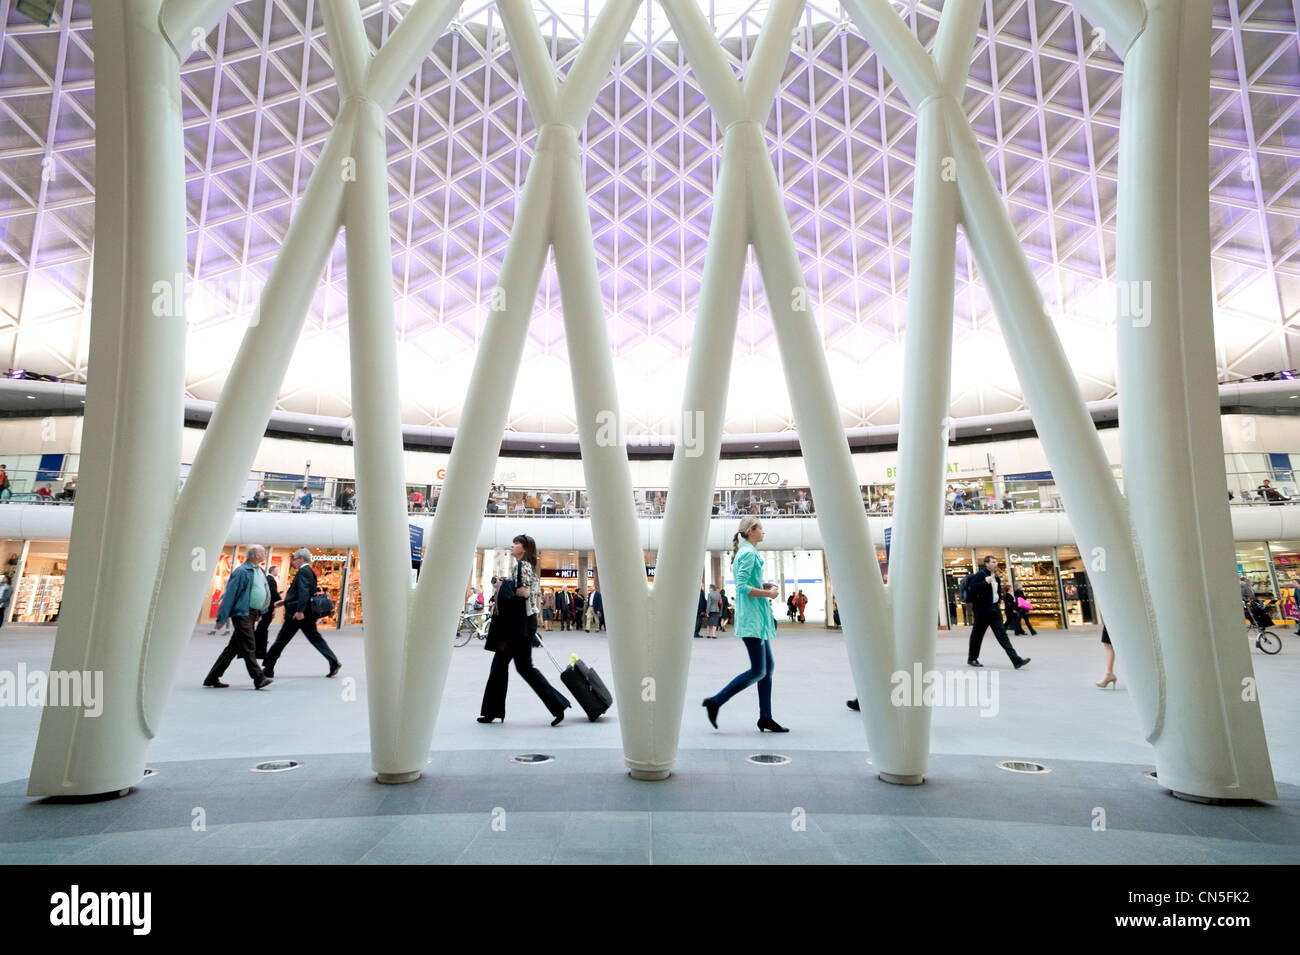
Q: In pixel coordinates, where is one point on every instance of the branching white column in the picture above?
(1099, 514)
(1213, 743)
(897, 744)
(139, 672)
(549, 207)
(376, 405)
(133, 407)
(917, 545)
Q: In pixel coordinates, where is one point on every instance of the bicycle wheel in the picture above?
(463, 633)
(1269, 642)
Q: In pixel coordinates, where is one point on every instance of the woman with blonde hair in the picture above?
(754, 625)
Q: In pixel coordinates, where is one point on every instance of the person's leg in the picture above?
(311, 633)
(554, 701)
(1000, 632)
(1109, 652)
(282, 639)
(1024, 615)
(223, 661)
(757, 668)
(260, 634)
(976, 637)
(765, 684)
(494, 694)
(243, 642)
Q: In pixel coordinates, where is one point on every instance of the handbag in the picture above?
(507, 614)
(1024, 604)
(321, 605)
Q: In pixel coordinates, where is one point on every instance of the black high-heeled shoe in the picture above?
(489, 719)
(767, 724)
(711, 708)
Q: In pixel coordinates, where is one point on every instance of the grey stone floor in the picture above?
(474, 805)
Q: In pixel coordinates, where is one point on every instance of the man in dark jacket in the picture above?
(246, 595)
(563, 607)
(598, 608)
(577, 603)
(264, 622)
(982, 590)
(298, 616)
(701, 611)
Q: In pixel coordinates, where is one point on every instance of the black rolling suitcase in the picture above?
(585, 685)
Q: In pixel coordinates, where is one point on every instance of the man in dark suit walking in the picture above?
(563, 607)
(982, 591)
(298, 616)
(264, 622)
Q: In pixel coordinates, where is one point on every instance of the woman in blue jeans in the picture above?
(754, 625)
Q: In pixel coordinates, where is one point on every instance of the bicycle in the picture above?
(472, 625)
(1261, 620)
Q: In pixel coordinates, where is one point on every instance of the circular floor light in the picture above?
(1150, 774)
(148, 773)
(532, 758)
(769, 759)
(1022, 766)
(276, 766)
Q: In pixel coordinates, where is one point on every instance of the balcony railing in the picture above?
(1245, 489)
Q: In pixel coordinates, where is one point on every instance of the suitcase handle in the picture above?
(548, 653)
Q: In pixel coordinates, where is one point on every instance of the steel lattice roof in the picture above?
(260, 102)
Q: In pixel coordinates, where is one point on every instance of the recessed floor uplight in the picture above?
(33, 397)
(310, 428)
(532, 758)
(148, 773)
(769, 759)
(276, 766)
(1021, 766)
(1150, 774)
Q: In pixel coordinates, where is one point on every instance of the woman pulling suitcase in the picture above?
(511, 635)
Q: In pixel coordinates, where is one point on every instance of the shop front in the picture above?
(1286, 570)
(1076, 590)
(1034, 572)
(38, 591)
(958, 563)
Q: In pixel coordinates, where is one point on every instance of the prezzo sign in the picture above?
(757, 479)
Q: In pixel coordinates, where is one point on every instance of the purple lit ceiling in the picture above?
(260, 103)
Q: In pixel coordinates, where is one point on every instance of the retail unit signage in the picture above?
(417, 542)
(1029, 556)
(757, 479)
(329, 555)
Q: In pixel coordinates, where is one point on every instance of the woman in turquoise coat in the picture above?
(754, 625)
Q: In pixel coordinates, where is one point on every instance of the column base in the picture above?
(394, 779)
(898, 780)
(652, 775)
(1214, 800)
(90, 797)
